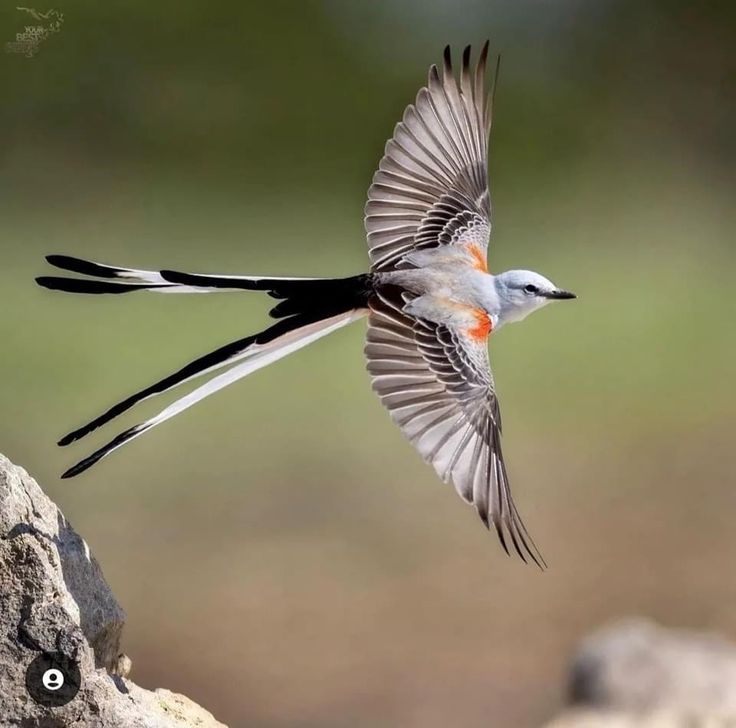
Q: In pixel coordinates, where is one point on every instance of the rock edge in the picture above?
(54, 598)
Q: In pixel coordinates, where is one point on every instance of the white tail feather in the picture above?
(257, 357)
(261, 356)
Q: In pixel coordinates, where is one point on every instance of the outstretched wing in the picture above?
(431, 187)
(436, 383)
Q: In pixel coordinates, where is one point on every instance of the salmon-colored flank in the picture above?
(483, 327)
(479, 259)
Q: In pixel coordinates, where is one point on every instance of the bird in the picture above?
(429, 297)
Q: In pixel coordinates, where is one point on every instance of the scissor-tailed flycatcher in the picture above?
(430, 300)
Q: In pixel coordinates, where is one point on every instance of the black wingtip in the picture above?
(482, 58)
(539, 561)
(501, 536)
(529, 548)
(466, 57)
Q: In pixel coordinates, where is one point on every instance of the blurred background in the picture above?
(284, 556)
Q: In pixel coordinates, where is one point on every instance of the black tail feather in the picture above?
(85, 267)
(205, 281)
(192, 369)
(97, 455)
(329, 295)
(304, 301)
(299, 294)
(229, 354)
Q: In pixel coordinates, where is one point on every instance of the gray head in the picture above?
(520, 292)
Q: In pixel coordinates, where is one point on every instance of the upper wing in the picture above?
(436, 382)
(431, 187)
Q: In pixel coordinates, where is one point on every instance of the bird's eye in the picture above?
(531, 288)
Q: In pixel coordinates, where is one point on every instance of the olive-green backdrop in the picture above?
(283, 555)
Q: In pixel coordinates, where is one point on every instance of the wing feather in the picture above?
(431, 186)
(437, 385)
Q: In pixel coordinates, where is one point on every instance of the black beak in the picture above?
(558, 294)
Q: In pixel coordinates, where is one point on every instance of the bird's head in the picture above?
(520, 292)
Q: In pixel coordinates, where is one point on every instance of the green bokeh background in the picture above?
(284, 557)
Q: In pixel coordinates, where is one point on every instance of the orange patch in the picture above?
(483, 327)
(479, 259)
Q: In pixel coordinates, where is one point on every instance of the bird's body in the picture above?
(429, 297)
(453, 289)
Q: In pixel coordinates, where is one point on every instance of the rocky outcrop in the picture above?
(57, 612)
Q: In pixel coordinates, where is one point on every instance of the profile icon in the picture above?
(53, 679)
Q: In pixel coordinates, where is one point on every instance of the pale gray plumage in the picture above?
(431, 190)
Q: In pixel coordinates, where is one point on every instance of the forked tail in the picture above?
(309, 308)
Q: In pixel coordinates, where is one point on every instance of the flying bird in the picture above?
(429, 297)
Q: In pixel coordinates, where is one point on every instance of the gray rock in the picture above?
(582, 718)
(636, 674)
(639, 666)
(54, 598)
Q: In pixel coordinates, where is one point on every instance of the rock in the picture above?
(637, 665)
(54, 600)
(580, 718)
(636, 674)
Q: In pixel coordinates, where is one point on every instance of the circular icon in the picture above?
(53, 679)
